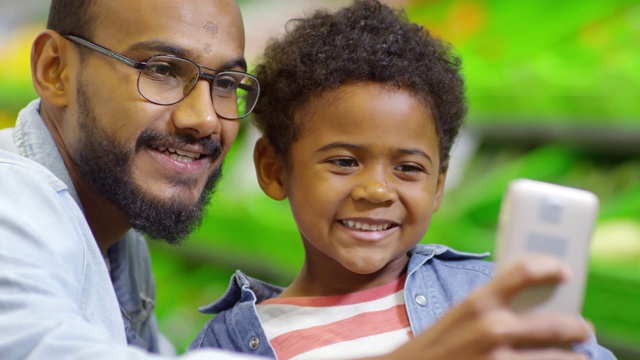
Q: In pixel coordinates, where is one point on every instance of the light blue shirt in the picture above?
(59, 298)
(437, 279)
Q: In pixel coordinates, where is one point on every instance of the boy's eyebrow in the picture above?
(344, 145)
(412, 151)
(339, 144)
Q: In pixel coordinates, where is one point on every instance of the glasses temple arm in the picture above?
(104, 51)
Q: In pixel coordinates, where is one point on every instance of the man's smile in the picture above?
(185, 164)
(180, 155)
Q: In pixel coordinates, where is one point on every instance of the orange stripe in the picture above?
(300, 341)
(337, 300)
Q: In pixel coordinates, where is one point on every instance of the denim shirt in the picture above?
(59, 297)
(437, 279)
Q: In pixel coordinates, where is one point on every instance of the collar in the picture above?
(34, 141)
(242, 288)
(421, 253)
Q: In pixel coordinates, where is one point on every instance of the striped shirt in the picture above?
(366, 323)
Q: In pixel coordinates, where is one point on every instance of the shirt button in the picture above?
(253, 343)
(421, 300)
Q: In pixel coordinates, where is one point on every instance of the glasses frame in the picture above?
(140, 65)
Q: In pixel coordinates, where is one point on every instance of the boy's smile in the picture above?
(363, 178)
(368, 229)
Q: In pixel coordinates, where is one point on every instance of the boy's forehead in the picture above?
(330, 99)
(361, 109)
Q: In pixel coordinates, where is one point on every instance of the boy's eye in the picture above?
(343, 162)
(409, 168)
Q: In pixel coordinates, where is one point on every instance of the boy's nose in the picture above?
(374, 191)
(195, 113)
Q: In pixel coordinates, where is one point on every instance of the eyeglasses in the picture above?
(167, 79)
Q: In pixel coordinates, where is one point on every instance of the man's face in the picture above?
(155, 163)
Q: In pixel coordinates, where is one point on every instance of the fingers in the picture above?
(590, 325)
(529, 271)
(491, 307)
(547, 330)
(497, 295)
(537, 354)
(485, 327)
(504, 329)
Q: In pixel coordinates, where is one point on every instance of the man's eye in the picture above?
(226, 83)
(160, 70)
(225, 86)
(344, 162)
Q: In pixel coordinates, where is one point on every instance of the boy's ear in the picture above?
(49, 67)
(269, 169)
(439, 190)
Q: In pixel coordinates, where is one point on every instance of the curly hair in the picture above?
(365, 42)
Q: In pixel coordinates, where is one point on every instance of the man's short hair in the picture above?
(71, 17)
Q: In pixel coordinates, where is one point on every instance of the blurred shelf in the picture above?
(613, 140)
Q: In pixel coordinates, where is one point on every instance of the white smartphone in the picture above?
(539, 217)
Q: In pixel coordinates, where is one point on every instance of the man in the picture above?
(125, 144)
(138, 105)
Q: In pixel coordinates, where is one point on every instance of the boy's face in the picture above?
(363, 178)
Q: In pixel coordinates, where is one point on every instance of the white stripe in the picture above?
(364, 347)
(278, 319)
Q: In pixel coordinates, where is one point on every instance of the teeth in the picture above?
(186, 153)
(365, 227)
(182, 158)
(180, 155)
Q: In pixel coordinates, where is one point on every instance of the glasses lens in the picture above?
(234, 94)
(165, 80)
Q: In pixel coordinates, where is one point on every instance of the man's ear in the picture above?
(269, 169)
(439, 189)
(49, 67)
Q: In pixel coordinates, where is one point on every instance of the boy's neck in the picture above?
(333, 279)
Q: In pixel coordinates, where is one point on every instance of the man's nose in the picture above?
(375, 191)
(195, 113)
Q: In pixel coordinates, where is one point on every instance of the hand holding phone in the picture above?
(539, 217)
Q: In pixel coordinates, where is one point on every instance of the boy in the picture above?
(360, 112)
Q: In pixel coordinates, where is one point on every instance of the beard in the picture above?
(106, 166)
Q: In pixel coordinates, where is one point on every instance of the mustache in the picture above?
(211, 147)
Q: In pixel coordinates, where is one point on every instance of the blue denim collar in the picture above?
(245, 288)
(35, 142)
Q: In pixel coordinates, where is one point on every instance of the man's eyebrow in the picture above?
(234, 64)
(164, 48)
(161, 47)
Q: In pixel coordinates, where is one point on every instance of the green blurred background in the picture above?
(553, 92)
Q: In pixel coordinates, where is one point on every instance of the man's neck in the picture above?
(107, 223)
